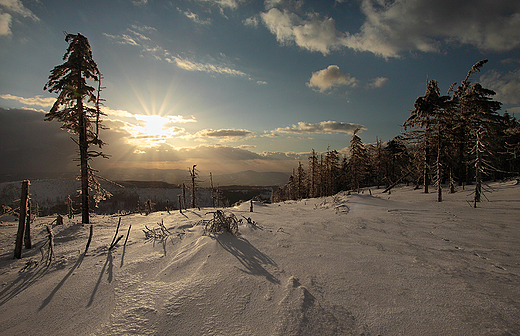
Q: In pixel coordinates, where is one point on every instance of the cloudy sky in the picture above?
(233, 85)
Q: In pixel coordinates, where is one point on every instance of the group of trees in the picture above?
(447, 140)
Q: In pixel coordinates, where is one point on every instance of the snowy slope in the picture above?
(360, 264)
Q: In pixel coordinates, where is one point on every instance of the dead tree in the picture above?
(194, 174)
(184, 195)
(21, 219)
(27, 233)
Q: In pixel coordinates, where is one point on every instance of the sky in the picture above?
(234, 85)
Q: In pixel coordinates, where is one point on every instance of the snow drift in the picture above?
(360, 264)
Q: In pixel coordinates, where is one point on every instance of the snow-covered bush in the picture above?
(221, 221)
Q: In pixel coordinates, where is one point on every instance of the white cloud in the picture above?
(331, 77)
(5, 24)
(123, 39)
(507, 86)
(327, 127)
(251, 21)
(205, 67)
(377, 82)
(195, 18)
(8, 8)
(149, 47)
(312, 33)
(231, 4)
(34, 101)
(286, 4)
(17, 7)
(392, 27)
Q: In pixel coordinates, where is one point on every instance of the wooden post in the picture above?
(27, 234)
(21, 219)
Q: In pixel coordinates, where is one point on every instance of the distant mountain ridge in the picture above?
(252, 178)
(169, 176)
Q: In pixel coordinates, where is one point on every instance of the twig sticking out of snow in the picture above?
(157, 233)
(115, 235)
(50, 248)
(115, 242)
(127, 235)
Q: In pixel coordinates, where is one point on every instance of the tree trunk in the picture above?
(83, 159)
(184, 195)
(439, 168)
(478, 174)
(21, 219)
(425, 172)
(27, 234)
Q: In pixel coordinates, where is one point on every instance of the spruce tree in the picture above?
(77, 107)
(358, 162)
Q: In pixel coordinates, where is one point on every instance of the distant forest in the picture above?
(452, 140)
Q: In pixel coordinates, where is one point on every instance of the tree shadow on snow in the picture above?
(248, 255)
(62, 282)
(22, 282)
(109, 266)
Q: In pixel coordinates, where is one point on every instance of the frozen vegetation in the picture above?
(350, 264)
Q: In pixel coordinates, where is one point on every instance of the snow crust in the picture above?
(359, 264)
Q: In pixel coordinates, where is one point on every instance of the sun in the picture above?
(151, 130)
(154, 125)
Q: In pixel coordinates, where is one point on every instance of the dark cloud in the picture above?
(327, 127)
(223, 133)
(29, 144)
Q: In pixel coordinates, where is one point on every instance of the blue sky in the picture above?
(233, 85)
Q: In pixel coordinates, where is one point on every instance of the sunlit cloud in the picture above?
(195, 18)
(377, 82)
(393, 27)
(326, 127)
(231, 4)
(140, 2)
(34, 101)
(506, 86)
(251, 21)
(17, 7)
(330, 77)
(10, 8)
(312, 33)
(122, 39)
(5, 24)
(283, 4)
(206, 67)
(148, 46)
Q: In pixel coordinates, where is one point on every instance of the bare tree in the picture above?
(194, 175)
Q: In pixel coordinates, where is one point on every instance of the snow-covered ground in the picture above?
(360, 264)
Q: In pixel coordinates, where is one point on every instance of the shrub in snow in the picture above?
(221, 221)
